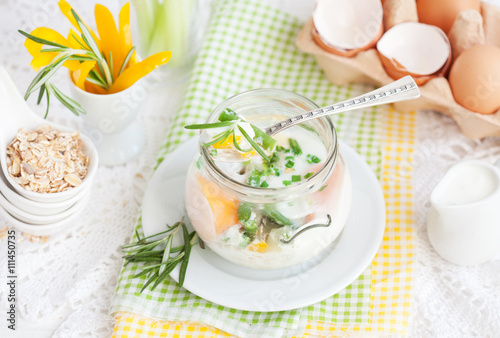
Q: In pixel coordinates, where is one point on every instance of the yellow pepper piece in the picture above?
(249, 154)
(66, 10)
(124, 29)
(227, 144)
(74, 40)
(258, 247)
(80, 74)
(139, 70)
(125, 33)
(110, 39)
(49, 34)
(42, 59)
(94, 89)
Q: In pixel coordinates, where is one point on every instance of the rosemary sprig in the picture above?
(232, 121)
(159, 263)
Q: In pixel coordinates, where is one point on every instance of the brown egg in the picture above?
(442, 13)
(475, 79)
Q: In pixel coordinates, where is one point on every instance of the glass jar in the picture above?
(174, 25)
(213, 198)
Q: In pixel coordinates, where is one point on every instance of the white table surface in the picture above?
(449, 300)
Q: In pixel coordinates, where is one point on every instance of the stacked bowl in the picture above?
(37, 213)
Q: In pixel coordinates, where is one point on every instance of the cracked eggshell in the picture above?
(347, 27)
(416, 49)
(475, 79)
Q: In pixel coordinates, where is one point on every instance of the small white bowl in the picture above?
(36, 208)
(49, 229)
(90, 150)
(27, 217)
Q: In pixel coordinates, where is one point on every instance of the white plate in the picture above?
(222, 282)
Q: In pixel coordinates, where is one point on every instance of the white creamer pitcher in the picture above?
(464, 221)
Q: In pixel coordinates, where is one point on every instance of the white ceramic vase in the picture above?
(111, 122)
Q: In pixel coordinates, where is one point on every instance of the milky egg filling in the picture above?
(247, 212)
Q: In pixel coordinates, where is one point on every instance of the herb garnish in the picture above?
(159, 263)
(230, 120)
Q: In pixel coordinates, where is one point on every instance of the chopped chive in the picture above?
(275, 158)
(289, 158)
(308, 175)
(295, 146)
(254, 178)
(245, 241)
(250, 226)
(213, 152)
(287, 183)
(289, 164)
(276, 171)
(323, 187)
(198, 163)
(315, 159)
(264, 184)
(296, 178)
(280, 148)
(266, 141)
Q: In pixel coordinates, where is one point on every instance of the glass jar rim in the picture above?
(308, 184)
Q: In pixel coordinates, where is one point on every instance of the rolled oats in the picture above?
(46, 160)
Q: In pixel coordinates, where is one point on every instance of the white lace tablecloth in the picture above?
(65, 284)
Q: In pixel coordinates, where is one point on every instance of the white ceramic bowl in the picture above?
(33, 207)
(49, 229)
(27, 217)
(90, 150)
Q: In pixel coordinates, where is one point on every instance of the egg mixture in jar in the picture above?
(251, 212)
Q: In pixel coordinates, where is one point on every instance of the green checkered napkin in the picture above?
(251, 45)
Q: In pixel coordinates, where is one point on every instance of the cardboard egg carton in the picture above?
(436, 94)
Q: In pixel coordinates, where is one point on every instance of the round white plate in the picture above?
(222, 282)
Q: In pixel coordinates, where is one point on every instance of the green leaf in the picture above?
(294, 145)
(48, 103)
(228, 115)
(111, 66)
(68, 102)
(209, 125)
(35, 80)
(40, 94)
(254, 145)
(187, 253)
(237, 146)
(166, 253)
(267, 141)
(86, 36)
(40, 40)
(126, 60)
(51, 69)
(221, 139)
